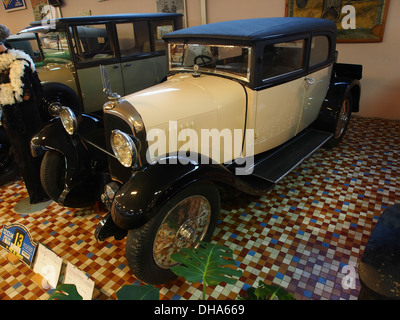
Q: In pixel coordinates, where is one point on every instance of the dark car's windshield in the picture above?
(228, 60)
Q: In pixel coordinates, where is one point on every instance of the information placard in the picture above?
(16, 239)
(84, 285)
(48, 265)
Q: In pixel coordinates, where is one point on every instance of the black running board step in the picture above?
(277, 165)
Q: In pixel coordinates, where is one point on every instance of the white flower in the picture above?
(16, 61)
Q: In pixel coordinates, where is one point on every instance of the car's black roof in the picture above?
(109, 17)
(254, 29)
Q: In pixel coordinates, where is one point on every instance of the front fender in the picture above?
(139, 199)
(148, 189)
(84, 162)
(54, 137)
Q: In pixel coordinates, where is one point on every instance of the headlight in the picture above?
(124, 148)
(68, 120)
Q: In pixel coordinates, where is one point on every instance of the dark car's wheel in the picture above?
(342, 122)
(52, 174)
(187, 218)
(57, 95)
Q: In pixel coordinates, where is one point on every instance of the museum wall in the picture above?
(381, 82)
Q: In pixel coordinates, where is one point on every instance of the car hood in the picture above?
(184, 96)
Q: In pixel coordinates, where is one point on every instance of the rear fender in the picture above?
(332, 104)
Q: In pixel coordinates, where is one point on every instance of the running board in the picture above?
(276, 165)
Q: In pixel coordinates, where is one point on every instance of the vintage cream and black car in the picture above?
(129, 46)
(244, 103)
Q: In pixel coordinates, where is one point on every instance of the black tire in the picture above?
(342, 122)
(146, 261)
(61, 94)
(52, 174)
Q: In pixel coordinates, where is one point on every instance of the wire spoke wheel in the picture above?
(183, 227)
(343, 119)
(185, 219)
(341, 122)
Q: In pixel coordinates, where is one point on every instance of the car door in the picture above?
(93, 47)
(142, 50)
(317, 81)
(278, 104)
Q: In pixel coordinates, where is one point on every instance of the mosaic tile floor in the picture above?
(306, 235)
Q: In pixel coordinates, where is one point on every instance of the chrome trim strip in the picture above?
(127, 112)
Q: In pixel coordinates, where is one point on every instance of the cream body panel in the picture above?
(314, 96)
(277, 112)
(200, 103)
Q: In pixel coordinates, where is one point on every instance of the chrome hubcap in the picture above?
(183, 227)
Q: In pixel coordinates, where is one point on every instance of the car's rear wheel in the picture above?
(186, 219)
(342, 122)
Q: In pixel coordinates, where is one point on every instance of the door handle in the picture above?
(115, 67)
(127, 65)
(309, 80)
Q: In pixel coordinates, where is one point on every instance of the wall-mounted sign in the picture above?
(12, 5)
(16, 239)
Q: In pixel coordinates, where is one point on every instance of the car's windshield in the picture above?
(228, 60)
(55, 46)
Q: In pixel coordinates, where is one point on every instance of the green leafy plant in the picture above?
(65, 292)
(126, 292)
(135, 292)
(209, 264)
(267, 292)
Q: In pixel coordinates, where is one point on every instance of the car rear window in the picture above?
(133, 38)
(281, 58)
(159, 29)
(319, 50)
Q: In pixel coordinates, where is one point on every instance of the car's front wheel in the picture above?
(342, 122)
(52, 174)
(186, 219)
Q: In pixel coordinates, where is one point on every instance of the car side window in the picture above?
(160, 28)
(319, 50)
(282, 58)
(93, 42)
(133, 38)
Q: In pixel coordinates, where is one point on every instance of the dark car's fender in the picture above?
(83, 160)
(151, 187)
(345, 80)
